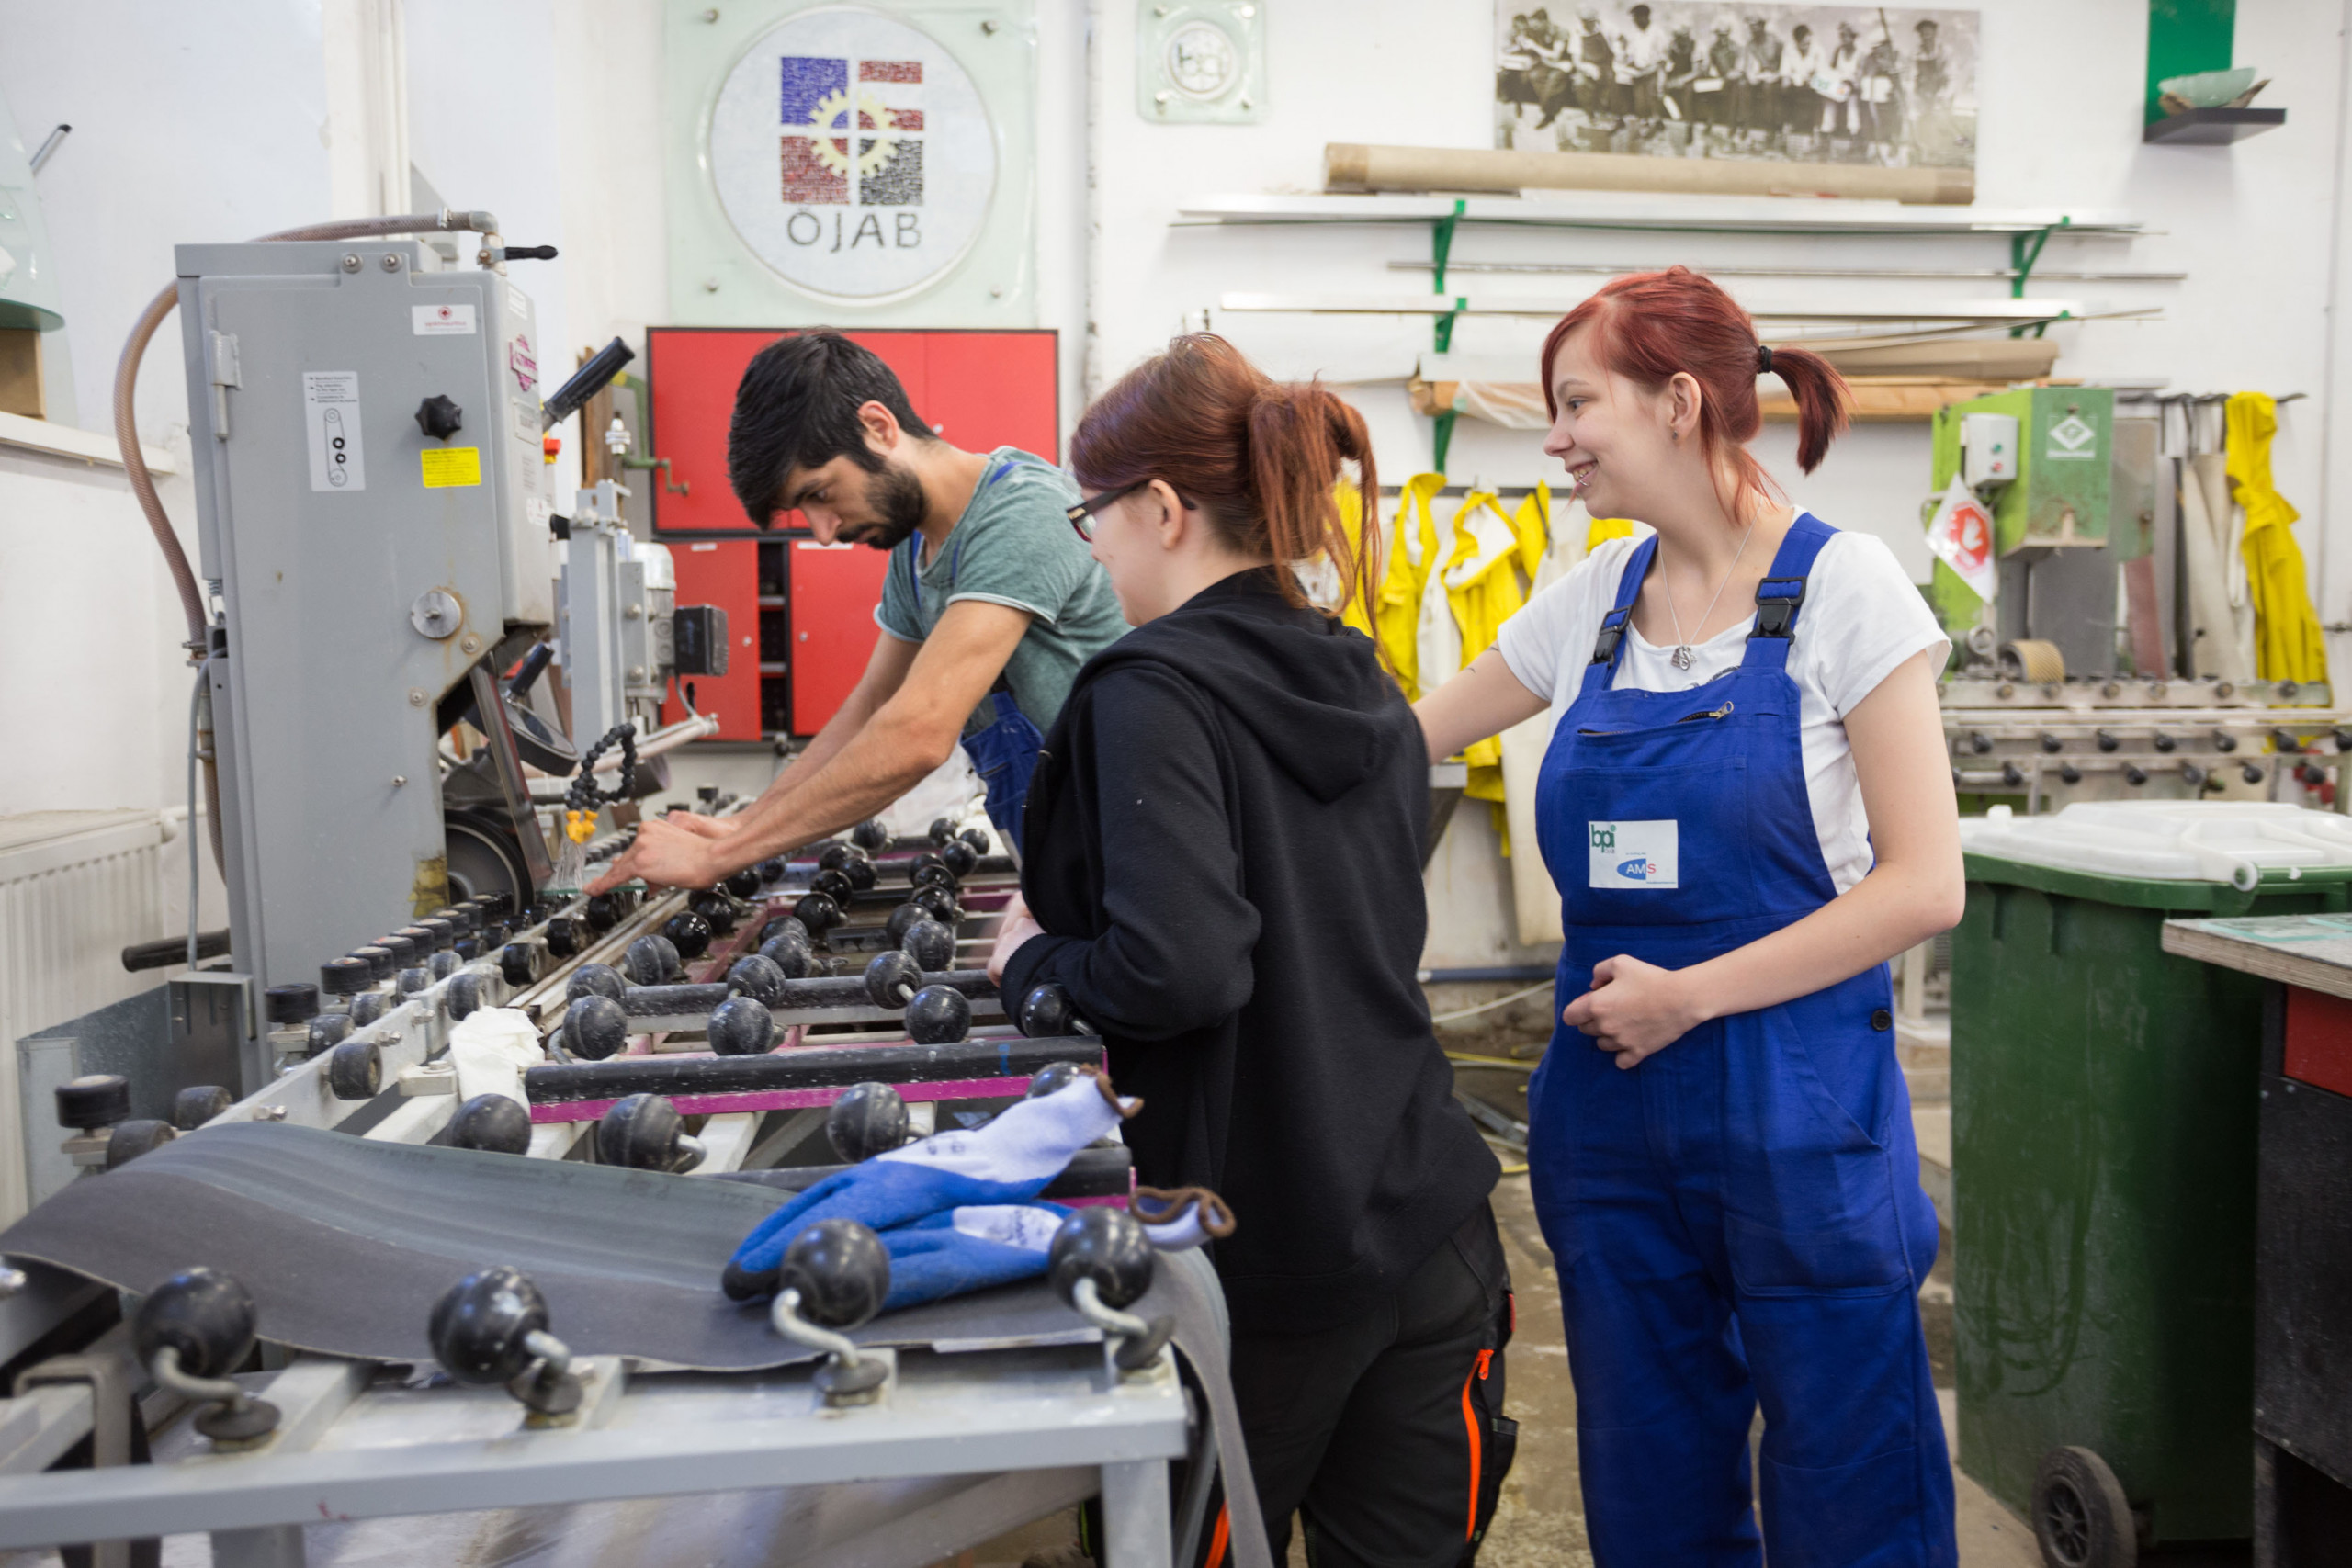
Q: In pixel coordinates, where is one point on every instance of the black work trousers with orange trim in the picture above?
(1385, 1434)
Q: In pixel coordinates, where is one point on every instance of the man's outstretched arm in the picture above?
(909, 735)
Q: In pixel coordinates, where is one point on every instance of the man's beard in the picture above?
(897, 496)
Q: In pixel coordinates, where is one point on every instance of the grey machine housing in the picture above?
(358, 584)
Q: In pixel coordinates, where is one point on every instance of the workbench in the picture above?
(2302, 1393)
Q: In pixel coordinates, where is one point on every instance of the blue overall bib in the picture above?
(1738, 1218)
(1002, 740)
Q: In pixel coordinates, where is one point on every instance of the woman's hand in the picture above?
(1635, 1008)
(1018, 927)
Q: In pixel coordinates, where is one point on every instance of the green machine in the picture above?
(2040, 459)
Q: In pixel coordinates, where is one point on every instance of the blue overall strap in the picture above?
(1781, 594)
(1608, 647)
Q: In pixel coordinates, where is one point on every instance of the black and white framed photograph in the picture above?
(1895, 88)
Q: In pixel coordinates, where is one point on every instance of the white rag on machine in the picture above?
(490, 1048)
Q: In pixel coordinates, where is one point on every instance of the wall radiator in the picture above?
(76, 888)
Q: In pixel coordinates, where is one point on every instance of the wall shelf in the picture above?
(2205, 128)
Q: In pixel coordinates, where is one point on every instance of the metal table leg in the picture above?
(1135, 1515)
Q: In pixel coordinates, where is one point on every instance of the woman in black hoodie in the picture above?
(1223, 862)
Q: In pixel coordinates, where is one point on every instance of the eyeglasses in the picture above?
(1081, 516)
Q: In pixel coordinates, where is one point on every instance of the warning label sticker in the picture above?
(331, 420)
(441, 321)
(451, 467)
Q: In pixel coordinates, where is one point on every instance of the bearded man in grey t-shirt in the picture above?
(992, 602)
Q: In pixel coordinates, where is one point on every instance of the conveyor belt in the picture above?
(346, 1243)
(816, 1074)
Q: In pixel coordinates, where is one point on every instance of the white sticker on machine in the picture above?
(1635, 854)
(330, 419)
(441, 321)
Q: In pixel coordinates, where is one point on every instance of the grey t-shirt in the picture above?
(1012, 545)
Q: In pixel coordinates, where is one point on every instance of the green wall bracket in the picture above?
(2185, 37)
(1442, 330)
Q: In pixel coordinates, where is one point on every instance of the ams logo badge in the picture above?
(852, 154)
(2071, 436)
(1635, 854)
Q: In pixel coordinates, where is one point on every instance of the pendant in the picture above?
(1682, 656)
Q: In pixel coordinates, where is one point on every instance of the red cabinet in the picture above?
(800, 617)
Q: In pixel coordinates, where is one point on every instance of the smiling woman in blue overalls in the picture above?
(1747, 807)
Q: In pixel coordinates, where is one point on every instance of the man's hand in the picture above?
(1635, 1008)
(666, 855)
(1018, 927)
(712, 827)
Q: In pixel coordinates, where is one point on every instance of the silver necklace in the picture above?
(1681, 644)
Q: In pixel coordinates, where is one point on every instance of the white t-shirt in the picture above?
(1861, 618)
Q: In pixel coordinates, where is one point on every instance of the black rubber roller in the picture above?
(594, 980)
(1107, 1245)
(960, 858)
(689, 933)
(412, 981)
(517, 964)
(819, 913)
(870, 835)
(646, 962)
(93, 1100)
(891, 978)
(833, 885)
(742, 1026)
(290, 1006)
(140, 1136)
(938, 1015)
(902, 918)
(937, 902)
(356, 1070)
(442, 932)
(327, 1031)
(403, 950)
(205, 1316)
(720, 911)
(791, 955)
(784, 926)
(976, 839)
(771, 871)
(861, 875)
(842, 1271)
(563, 936)
(867, 1120)
(193, 1106)
(601, 916)
(758, 977)
(491, 1122)
(369, 1006)
(1052, 1078)
(443, 963)
(478, 1329)
(745, 884)
(941, 832)
(643, 1132)
(927, 867)
(595, 1027)
(1046, 1013)
(930, 945)
(343, 976)
(464, 997)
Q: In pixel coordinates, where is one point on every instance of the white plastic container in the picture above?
(2236, 841)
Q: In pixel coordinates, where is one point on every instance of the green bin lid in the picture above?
(2221, 855)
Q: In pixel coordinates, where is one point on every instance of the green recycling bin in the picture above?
(2103, 1162)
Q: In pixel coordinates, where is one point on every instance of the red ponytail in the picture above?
(1650, 326)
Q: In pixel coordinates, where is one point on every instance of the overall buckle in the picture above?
(1612, 631)
(1777, 599)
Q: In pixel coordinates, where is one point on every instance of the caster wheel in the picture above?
(135, 1137)
(762, 980)
(2080, 1516)
(1108, 1246)
(1052, 1078)
(960, 858)
(745, 883)
(96, 1100)
(515, 964)
(205, 1316)
(867, 1121)
(690, 933)
(842, 1271)
(478, 1327)
(491, 1122)
(937, 901)
(930, 945)
(595, 1027)
(356, 1070)
(891, 978)
(464, 997)
(870, 835)
(594, 980)
(644, 1133)
(563, 936)
(938, 1015)
(1046, 1014)
(192, 1108)
(742, 1026)
(327, 1031)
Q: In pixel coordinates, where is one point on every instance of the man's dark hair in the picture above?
(797, 408)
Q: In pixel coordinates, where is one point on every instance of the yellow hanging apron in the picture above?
(2287, 639)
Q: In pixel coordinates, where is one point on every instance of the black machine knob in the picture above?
(1046, 1013)
(93, 1100)
(649, 960)
(833, 885)
(369, 1006)
(892, 978)
(1979, 742)
(976, 839)
(2284, 740)
(745, 884)
(2251, 772)
(491, 1123)
(563, 936)
(594, 980)
(836, 856)
(941, 831)
(643, 1132)
(868, 1120)
(870, 835)
(842, 1271)
(819, 912)
(2134, 775)
(758, 977)
(343, 976)
(2164, 742)
(938, 1015)
(2106, 740)
(439, 417)
(594, 1026)
(203, 1314)
(2011, 775)
(689, 933)
(960, 858)
(515, 962)
(2224, 741)
(938, 898)
(601, 915)
(929, 944)
(2050, 742)
(790, 953)
(742, 1026)
(901, 919)
(290, 1004)
(2069, 774)
(478, 1329)
(403, 950)
(1107, 1245)
(716, 908)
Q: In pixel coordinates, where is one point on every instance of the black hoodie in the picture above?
(1224, 833)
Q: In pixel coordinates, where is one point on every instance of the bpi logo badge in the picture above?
(852, 154)
(1635, 854)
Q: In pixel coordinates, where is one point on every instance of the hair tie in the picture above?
(1763, 359)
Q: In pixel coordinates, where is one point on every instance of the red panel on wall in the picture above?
(834, 590)
(985, 389)
(2319, 1040)
(726, 573)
